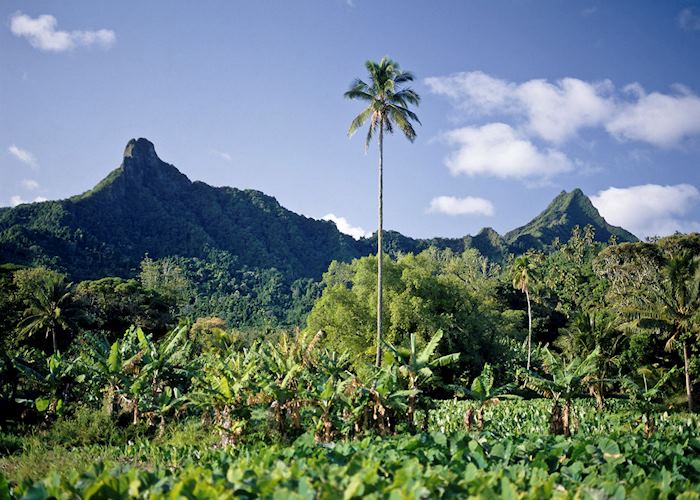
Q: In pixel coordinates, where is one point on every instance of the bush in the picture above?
(9, 443)
(85, 427)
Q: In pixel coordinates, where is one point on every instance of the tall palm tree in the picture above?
(522, 274)
(387, 106)
(50, 309)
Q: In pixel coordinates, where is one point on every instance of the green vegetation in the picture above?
(247, 259)
(145, 395)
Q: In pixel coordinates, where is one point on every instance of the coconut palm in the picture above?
(387, 106)
(523, 268)
(50, 309)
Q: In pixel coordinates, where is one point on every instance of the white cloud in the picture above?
(23, 155)
(689, 19)
(222, 154)
(649, 209)
(659, 119)
(42, 34)
(497, 149)
(345, 227)
(476, 92)
(451, 205)
(557, 111)
(39, 199)
(30, 184)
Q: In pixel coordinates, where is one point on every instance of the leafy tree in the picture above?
(657, 286)
(388, 106)
(423, 293)
(50, 309)
(676, 310)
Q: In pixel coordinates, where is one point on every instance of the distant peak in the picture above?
(141, 149)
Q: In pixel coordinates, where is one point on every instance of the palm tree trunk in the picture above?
(529, 328)
(688, 387)
(379, 245)
(410, 414)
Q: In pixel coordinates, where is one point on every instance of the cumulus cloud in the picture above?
(649, 209)
(23, 155)
(42, 34)
(659, 119)
(557, 111)
(497, 149)
(469, 205)
(30, 184)
(345, 227)
(40, 199)
(689, 19)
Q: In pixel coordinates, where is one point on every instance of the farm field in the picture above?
(609, 458)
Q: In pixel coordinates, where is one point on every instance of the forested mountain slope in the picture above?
(147, 206)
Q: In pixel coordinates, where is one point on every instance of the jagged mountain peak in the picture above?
(567, 210)
(140, 150)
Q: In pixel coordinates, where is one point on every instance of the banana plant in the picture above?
(114, 368)
(169, 399)
(228, 387)
(163, 364)
(54, 384)
(417, 367)
(484, 393)
(565, 381)
(647, 398)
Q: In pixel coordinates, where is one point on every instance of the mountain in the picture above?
(147, 207)
(565, 212)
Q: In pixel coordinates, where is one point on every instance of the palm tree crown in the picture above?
(387, 100)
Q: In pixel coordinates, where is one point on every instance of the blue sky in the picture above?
(520, 100)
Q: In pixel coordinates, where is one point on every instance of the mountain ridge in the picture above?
(148, 207)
